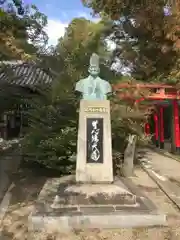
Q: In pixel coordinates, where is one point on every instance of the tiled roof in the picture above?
(23, 74)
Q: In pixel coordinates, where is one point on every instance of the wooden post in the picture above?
(156, 130)
(176, 130)
(161, 128)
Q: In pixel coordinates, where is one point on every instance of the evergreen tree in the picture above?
(21, 30)
(146, 34)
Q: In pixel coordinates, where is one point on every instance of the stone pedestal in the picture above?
(64, 205)
(94, 151)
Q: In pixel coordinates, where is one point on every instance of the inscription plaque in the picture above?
(94, 140)
(96, 110)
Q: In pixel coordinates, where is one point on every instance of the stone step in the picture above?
(91, 221)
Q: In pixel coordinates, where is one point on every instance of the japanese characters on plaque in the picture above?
(94, 140)
(96, 110)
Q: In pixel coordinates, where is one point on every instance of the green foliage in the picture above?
(51, 135)
(125, 120)
(18, 25)
(146, 39)
(81, 39)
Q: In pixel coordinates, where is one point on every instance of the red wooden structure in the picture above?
(157, 94)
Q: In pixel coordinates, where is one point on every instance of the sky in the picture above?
(60, 13)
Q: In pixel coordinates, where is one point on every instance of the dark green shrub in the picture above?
(51, 137)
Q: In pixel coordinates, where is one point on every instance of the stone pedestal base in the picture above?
(94, 152)
(64, 205)
(90, 196)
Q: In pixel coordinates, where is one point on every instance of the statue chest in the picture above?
(93, 90)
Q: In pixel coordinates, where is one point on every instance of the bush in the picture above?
(51, 137)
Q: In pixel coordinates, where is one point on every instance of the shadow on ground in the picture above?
(142, 154)
(27, 186)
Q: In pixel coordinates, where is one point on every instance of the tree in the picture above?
(82, 38)
(19, 26)
(52, 134)
(147, 39)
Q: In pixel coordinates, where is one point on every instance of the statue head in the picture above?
(94, 69)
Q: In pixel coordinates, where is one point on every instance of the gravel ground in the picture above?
(25, 192)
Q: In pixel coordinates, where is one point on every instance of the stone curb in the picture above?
(164, 153)
(166, 186)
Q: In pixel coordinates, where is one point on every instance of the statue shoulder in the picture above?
(105, 82)
(106, 85)
(80, 84)
(82, 80)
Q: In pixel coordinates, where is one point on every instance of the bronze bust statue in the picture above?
(93, 87)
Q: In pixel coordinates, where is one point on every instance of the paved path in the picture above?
(166, 165)
(164, 170)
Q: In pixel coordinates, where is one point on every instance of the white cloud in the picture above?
(84, 14)
(55, 29)
(96, 19)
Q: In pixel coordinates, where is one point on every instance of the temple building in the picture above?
(24, 78)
